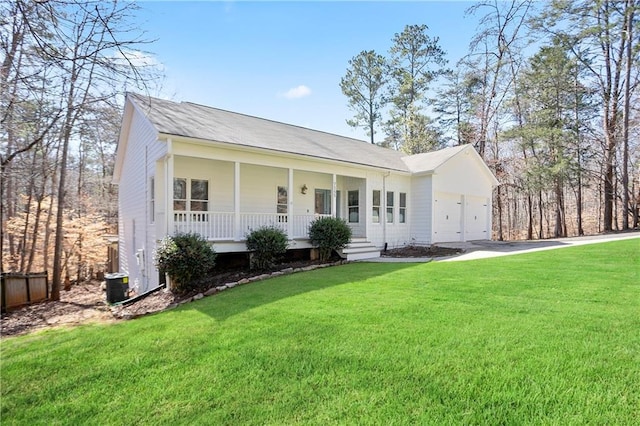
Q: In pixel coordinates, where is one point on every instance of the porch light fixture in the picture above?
(303, 189)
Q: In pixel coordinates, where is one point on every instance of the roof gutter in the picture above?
(277, 153)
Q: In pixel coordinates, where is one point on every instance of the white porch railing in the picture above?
(212, 226)
(221, 226)
(251, 221)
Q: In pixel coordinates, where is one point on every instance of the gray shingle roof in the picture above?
(212, 124)
(429, 161)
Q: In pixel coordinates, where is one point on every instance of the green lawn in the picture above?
(545, 338)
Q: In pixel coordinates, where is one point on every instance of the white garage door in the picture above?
(447, 221)
(476, 215)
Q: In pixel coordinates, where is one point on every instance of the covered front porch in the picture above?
(225, 200)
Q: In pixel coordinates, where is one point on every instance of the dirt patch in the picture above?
(83, 303)
(420, 251)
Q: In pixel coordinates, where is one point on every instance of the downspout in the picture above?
(383, 208)
(143, 261)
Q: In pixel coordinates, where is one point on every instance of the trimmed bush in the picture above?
(329, 234)
(267, 245)
(186, 258)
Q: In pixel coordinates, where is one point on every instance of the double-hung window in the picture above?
(402, 208)
(353, 204)
(191, 193)
(375, 212)
(199, 195)
(390, 206)
(180, 194)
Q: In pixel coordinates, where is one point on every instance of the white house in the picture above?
(186, 167)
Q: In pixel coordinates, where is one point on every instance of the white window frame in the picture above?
(402, 207)
(390, 216)
(189, 201)
(204, 201)
(354, 207)
(375, 209)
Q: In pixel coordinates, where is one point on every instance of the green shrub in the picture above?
(267, 245)
(186, 258)
(328, 234)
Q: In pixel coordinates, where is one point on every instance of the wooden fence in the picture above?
(22, 289)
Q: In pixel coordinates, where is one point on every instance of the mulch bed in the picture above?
(420, 251)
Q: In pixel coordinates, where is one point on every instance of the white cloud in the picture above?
(138, 58)
(297, 92)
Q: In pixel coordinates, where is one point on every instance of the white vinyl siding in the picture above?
(137, 234)
(420, 209)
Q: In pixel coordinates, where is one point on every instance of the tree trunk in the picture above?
(499, 206)
(56, 279)
(529, 216)
(627, 106)
(540, 214)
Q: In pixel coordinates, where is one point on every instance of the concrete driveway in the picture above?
(485, 249)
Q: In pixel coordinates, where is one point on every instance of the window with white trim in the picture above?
(375, 212)
(402, 208)
(353, 204)
(199, 195)
(390, 206)
(179, 194)
(190, 192)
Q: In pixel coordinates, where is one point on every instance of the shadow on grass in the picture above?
(249, 296)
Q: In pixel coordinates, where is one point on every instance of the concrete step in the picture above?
(358, 249)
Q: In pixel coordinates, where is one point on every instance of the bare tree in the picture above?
(492, 49)
(64, 58)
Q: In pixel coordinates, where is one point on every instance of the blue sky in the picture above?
(284, 60)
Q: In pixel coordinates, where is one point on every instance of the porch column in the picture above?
(168, 189)
(236, 201)
(290, 206)
(334, 196)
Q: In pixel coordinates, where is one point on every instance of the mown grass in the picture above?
(544, 338)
